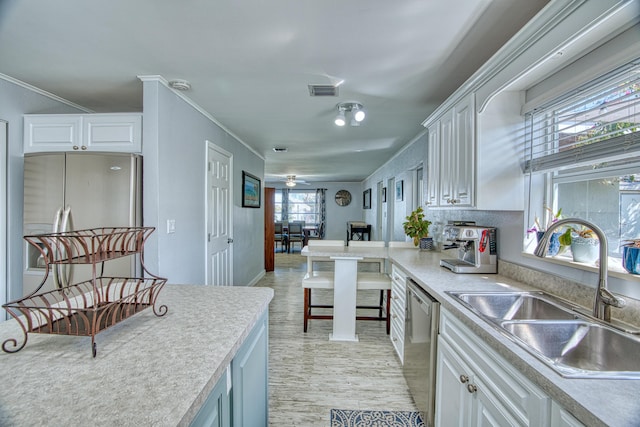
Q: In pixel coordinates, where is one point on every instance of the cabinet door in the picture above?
(562, 418)
(433, 165)
(487, 410)
(448, 164)
(464, 153)
(216, 410)
(52, 132)
(113, 132)
(250, 378)
(453, 401)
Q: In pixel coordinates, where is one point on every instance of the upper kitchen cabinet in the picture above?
(450, 157)
(114, 132)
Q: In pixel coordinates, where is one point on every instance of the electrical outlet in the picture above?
(171, 226)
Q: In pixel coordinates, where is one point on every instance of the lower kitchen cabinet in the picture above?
(216, 410)
(475, 386)
(398, 309)
(240, 398)
(249, 375)
(560, 417)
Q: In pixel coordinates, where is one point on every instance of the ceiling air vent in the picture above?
(280, 149)
(323, 90)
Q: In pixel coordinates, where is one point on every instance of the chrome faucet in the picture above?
(604, 298)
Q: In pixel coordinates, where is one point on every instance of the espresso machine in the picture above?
(476, 248)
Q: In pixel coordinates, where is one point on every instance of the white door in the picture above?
(219, 217)
(3, 219)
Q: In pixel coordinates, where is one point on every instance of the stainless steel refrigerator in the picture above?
(75, 191)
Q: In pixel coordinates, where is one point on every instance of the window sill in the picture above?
(614, 267)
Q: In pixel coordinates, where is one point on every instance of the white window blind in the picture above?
(594, 126)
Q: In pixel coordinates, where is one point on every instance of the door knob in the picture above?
(471, 388)
(464, 378)
(229, 240)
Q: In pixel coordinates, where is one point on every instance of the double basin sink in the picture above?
(576, 345)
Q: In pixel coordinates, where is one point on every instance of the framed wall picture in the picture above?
(399, 190)
(250, 190)
(366, 199)
(384, 194)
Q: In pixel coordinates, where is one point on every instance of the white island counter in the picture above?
(148, 370)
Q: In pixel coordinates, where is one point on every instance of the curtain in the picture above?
(285, 205)
(321, 208)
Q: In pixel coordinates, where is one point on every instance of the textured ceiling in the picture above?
(249, 63)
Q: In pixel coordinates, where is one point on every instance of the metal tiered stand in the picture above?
(88, 307)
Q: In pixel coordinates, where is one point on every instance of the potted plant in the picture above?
(631, 256)
(584, 243)
(417, 227)
(555, 247)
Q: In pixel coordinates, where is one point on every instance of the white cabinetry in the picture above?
(240, 398)
(475, 386)
(562, 418)
(398, 308)
(83, 132)
(451, 157)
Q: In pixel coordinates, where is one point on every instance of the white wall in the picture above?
(337, 216)
(15, 101)
(398, 168)
(175, 138)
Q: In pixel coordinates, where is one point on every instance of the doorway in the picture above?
(4, 280)
(219, 216)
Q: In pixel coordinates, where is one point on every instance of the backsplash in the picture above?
(569, 290)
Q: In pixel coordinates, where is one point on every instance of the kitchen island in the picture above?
(593, 402)
(148, 370)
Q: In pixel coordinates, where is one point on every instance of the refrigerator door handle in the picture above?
(56, 267)
(67, 225)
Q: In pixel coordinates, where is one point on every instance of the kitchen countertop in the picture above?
(594, 402)
(148, 370)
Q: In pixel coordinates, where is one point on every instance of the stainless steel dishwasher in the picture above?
(420, 338)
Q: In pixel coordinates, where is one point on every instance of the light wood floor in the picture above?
(308, 374)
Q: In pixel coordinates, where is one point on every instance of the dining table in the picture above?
(345, 283)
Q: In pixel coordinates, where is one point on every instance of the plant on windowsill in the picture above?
(631, 256)
(583, 242)
(417, 227)
(555, 246)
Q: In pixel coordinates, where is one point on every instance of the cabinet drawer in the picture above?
(397, 339)
(526, 402)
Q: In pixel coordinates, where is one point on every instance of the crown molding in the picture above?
(544, 23)
(43, 93)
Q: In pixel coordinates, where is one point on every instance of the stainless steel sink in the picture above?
(515, 305)
(574, 344)
(580, 348)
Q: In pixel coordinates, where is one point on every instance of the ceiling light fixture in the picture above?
(291, 181)
(180, 84)
(357, 113)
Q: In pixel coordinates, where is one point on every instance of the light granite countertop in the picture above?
(594, 402)
(148, 370)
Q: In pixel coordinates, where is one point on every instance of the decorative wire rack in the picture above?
(90, 306)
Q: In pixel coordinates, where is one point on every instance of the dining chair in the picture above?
(280, 236)
(318, 234)
(403, 244)
(378, 281)
(295, 234)
(315, 279)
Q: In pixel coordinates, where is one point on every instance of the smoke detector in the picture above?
(180, 84)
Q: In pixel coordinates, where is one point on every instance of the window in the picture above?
(586, 145)
(297, 205)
